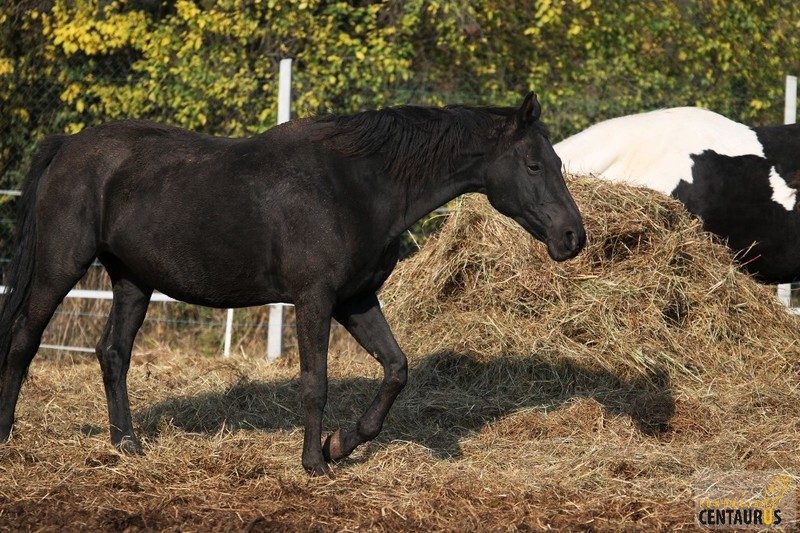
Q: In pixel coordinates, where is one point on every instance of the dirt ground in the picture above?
(223, 442)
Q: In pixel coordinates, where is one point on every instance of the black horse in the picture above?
(309, 213)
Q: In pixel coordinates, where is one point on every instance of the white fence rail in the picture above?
(90, 294)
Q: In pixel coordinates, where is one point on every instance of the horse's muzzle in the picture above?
(565, 243)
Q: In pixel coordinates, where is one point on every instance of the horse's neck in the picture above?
(417, 200)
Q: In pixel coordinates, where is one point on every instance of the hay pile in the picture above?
(651, 292)
(652, 320)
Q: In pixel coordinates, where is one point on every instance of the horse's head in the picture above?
(524, 182)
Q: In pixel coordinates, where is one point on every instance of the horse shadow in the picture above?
(450, 396)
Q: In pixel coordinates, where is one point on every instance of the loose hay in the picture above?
(581, 395)
(651, 293)
(652, 323)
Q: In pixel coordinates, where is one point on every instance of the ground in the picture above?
(223, 446)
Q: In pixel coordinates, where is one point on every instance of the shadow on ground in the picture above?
(450, 396)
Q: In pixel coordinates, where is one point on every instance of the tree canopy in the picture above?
(213, 65)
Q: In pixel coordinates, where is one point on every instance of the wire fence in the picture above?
(78, 323)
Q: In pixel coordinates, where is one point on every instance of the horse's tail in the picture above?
(20, 270)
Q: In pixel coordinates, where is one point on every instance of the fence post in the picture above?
(790, 109)
(285, 91)
(275, 328)
(789, 117)
(226, 349)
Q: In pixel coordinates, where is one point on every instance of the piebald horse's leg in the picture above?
(364, 320)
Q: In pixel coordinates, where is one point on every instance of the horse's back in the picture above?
(116, 167)
(653, 149)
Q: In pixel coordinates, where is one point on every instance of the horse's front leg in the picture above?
(363, 318)
(313, 317)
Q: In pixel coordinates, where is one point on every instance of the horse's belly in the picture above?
(204, 276)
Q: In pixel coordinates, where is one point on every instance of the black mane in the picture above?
(416, 141)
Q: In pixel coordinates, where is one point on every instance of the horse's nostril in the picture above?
(572, 240)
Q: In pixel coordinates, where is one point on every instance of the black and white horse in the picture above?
(741, 181)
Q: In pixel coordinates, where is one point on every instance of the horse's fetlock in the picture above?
(368, 430)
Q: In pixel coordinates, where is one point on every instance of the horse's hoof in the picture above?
(319, 470)
(332, 449)
(129, 446)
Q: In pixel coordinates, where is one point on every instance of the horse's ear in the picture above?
(530, 110)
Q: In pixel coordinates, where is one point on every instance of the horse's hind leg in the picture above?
(365, 322)
(47, 290)
(129, 307)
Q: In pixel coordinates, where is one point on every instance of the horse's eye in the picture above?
(534, 168)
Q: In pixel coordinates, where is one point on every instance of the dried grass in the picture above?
(650, 294)
(573, 396)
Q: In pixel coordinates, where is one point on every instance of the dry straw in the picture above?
(649, 319)
(651, 295)
(582, 395)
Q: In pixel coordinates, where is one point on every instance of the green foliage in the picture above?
(594, 60)
(213, 65)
